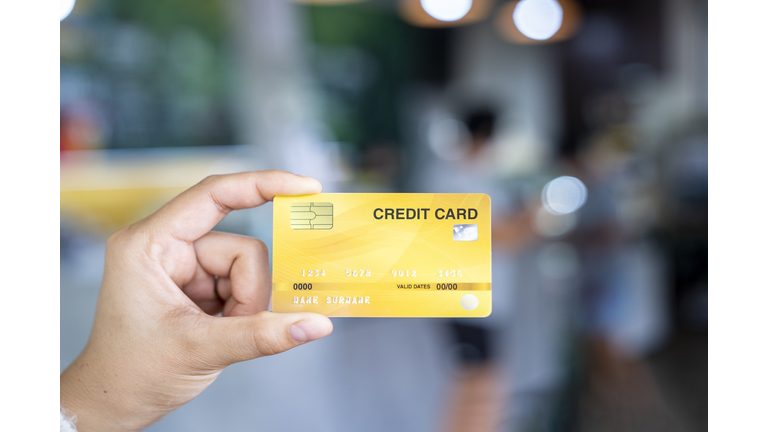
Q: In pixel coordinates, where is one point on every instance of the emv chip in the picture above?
(312, 215)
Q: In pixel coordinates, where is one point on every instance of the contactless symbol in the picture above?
(469, 302)
(312, 216)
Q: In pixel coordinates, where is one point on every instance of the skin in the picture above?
(155, 344)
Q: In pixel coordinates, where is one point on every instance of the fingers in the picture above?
(201, 291)
(197, 210)
(242, 264)
(245, 338)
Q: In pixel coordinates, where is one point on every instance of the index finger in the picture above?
(197, 210)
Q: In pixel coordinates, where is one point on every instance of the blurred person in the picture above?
(478, 400)
(155, 343)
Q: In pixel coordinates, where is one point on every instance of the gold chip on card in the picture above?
(312, 215)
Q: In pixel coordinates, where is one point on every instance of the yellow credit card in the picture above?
(382, 255)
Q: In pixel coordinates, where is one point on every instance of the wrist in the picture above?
(96, 406)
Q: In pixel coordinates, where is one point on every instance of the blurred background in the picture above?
(584, 120)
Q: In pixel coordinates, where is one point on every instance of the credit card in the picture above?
(382, 255)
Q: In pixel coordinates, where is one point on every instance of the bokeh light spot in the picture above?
(65, 8)
(447, 10)
(538, 19)
(564, 195)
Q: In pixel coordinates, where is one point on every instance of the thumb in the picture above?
(266, 333)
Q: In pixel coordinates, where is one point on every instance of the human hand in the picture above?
(155, 343)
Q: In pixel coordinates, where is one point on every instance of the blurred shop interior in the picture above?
(584, 120)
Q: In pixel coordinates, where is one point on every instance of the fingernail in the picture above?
(310, 329)
(317, 183)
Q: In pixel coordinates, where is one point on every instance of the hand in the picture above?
(155, 344)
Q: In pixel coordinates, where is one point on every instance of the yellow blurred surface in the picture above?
(107, 190)
(115, 208)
